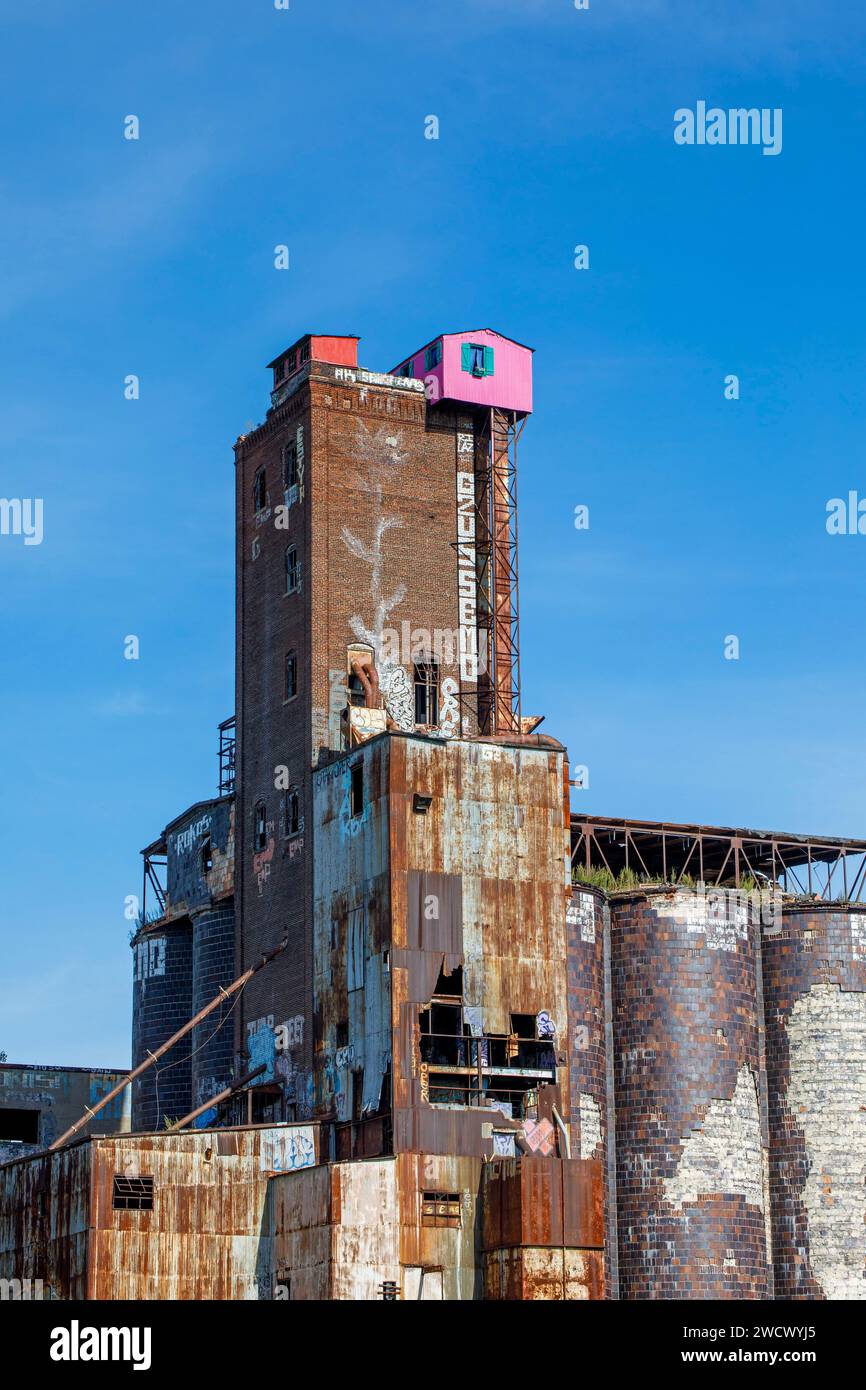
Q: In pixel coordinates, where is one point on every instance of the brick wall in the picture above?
(815, 991)
(161, 1003)
(374, 521)
(690, 1157)
(586, 916)
(213, 936)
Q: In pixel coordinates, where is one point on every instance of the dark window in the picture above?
(342, 1034)
(357, 693)
(206, 854)
(19, 1126)
(427, 693)
(260, 490)
(133, 1194)
(293, 570)
(290, 361)
(357, 789)
(433, 356)
(409, 368)
(261, 825)
(305, 351)
(293, 812)
(290, 464)
(477, 359)
(291, 676)
(440, 1209)
(281, 369)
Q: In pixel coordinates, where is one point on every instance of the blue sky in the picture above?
(306, 127)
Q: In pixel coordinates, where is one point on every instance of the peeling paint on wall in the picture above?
(721, 918)
(590, 1125)
(723, 1156)
(827, 1097)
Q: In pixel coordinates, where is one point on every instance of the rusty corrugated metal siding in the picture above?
(44, 1220)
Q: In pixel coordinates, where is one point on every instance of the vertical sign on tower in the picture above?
(467, 583)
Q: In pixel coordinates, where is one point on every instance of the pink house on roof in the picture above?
(477, 366)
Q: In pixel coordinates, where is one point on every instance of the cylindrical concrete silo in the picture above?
(815, 1009)
(161, 1003)
(691, 1148)
(586, 919)
(213, 934)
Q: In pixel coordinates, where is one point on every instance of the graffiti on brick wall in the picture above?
(382, 458)
(149, 958)
(580, 912)
(827, 1099)
(262, 859)
(449, 712)
(467, 583)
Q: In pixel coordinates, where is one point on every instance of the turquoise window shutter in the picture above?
(466, 358)
(488, 361)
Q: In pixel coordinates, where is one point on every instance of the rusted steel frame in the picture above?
(484, 693)
(150, 876)
(752, 870)
(724, 864)
(597, 843)
(638, 853)
(830, 873)
(160, 1051)
(790, 872)
(695, 842)
(575, 853)
(858, 880)
(506, 674)
(216, 1100)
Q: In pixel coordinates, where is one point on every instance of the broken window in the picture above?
(290, 464)
(260, 490)
(357, 1093)
(291, 675)
(356, 793)
(433, 355)
(293, 570)
(357, 693)
(261, 818)
(293, 812)
(356, 951)
(460, 1066)
(427, 693)
(449, 986)
(19, 1126)
(133, 1194)
(440, 1209)
(305, 350)
(206, 853)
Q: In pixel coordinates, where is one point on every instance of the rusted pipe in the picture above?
(215, 1100)
(237, 984)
